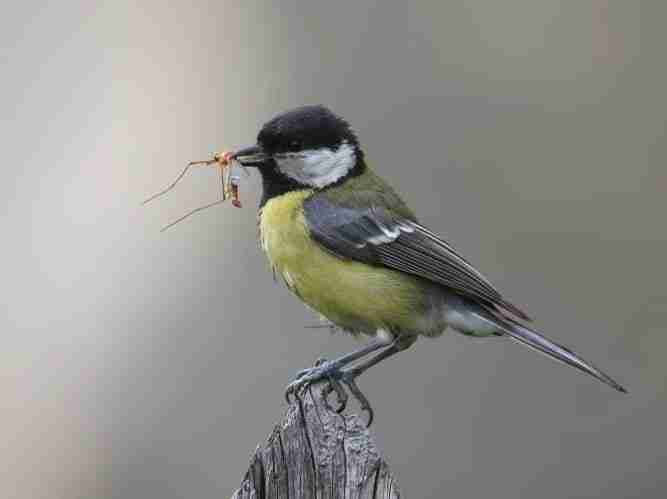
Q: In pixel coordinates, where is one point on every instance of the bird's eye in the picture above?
(294, 145)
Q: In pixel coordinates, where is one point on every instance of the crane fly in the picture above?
(229, 182)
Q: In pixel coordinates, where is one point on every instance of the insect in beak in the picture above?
(229, 180)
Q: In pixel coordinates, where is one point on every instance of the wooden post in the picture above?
(316, 453)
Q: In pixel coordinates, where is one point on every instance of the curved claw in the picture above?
(371, 416)
(341, 394)
(325, 393)
(288, 392)
(363, 401)
(293, 389)
(334, 385)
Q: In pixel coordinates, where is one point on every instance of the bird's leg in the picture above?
(349, 376)
(399, 344)
(345, 359)
(331, 370)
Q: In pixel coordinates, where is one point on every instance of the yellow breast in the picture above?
(354, 295)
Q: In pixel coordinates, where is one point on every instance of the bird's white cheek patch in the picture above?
(318, 167)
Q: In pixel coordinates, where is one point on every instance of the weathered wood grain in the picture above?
(316, 453)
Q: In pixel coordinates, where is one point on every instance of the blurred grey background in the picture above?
(531, 134)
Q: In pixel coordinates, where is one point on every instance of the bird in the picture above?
(347, 245)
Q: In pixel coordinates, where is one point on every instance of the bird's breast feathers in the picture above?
(354, 295)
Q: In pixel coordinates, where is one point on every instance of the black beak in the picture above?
(250, 156)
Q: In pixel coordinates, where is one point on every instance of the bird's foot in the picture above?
(323, 369)
(336, 377)
(318, 363)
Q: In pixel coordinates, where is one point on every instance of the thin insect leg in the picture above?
(192, 212)
(228, 190)
(178, 179)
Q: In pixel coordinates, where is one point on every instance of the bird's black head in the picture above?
(305, 128)
(306, 147)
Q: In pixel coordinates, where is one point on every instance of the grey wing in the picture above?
(375, 236)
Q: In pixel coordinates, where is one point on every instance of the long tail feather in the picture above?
(540, 343)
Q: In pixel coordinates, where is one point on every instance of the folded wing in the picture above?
(376, 236)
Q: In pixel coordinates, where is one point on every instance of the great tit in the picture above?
(347, 245)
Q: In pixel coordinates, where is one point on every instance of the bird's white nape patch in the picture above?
(317, 167)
